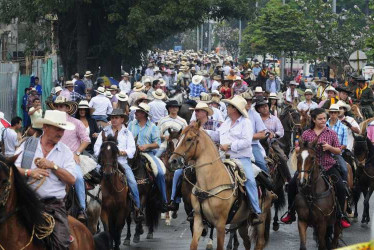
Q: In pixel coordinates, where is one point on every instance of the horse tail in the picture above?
(280, 202)
(153, 207)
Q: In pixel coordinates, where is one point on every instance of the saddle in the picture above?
(152, 166)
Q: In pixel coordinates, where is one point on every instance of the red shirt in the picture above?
(226, 92)
(325, 158)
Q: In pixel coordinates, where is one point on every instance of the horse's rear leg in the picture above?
(337, 232)
(209, 246)
(302, 226)
(275, 220)
(366, 219)
(150, 232)
(243, 231)
(231, 238)
(127, 241)
(138, 231)
(197, 230)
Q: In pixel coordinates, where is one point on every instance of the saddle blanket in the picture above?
(233, 163)
(87, 164)
(153, 164)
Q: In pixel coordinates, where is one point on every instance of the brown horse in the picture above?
(115, 200)
(171, 145)
(211, 174)
(305, 119)
(21, 214)
(315, 202)
(357, 114)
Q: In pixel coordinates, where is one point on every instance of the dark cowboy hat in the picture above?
(119, 112)
(172, 103)
(260, 100)
(354, 75)
(360, 79)
(323, 79)
(343, 89)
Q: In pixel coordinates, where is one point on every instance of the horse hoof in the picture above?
(163, 216)
(168, 222)
(174, 215)
(136, 239)
(126, 242)
(209, 246)
(276, 227)
(150, 236)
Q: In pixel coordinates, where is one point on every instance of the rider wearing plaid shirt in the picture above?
(196, 89)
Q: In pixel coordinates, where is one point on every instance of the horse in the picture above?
(115, 200)
(212, 175)
(22, 217)
(364, 181)
(171, 144)
(149, 197)
(315, 202)
(94, 200)
(290, 119)
(357, 114)
(363, 125)
(185, 110)
(305, 119)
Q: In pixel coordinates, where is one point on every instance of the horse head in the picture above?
(306, 160)
(173, 139)
(362, 148)
(108, 156)
(305, 119)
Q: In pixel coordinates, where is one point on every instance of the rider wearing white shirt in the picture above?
(101, 104)
(308, 104)
(125, 84)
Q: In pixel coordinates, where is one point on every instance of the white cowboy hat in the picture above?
(216, 93)
(142, 106)
(196, 79)
(204, 97)
(247, 95)
(100, 90)
(238, 78)
(294, 83)
(331, 88)
(84, 105)
(334, 108)
(159, 94)
(108, 94)
(69, 84)
(344, 105)
(258, 90)
(203, 106)
(239, 103)
(138, 86)
(57, 89)
(88, 73)
(121, 96)
(125, 74)
(162, 82)
(55, 118)
(113, 87)
(308, 91)
(273, 96)
(215, 99)
(72, 106)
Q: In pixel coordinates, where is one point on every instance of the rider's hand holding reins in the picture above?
(225, 147)
(327, 147)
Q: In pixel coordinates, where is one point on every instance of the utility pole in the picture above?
(283, 59)
(197, 38)
(333, 6)
(202, 37)
(209, 36)
(240, 35)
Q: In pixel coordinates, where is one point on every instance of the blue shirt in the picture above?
(257, 123)
(196, 89)
(148, 134)
(24, 102)
(341, 130)
(39, 89)
(256, 71)
(80, 87)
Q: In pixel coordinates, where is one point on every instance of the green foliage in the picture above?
(227, 37)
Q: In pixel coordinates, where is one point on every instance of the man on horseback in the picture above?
(126, 146)
(308, 104)
(331, 97)
(148, 139)
(50, 165)
(327, 144)
(322, 85)
(364, 96)
(235, 138)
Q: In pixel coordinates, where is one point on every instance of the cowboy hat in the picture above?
(294, 83)
(72, 106)
(172, 103)
(217, 78)
(343, 89)
(159, 94)
(113, 87)
(360, 79)
(196, 79)
(100, 90)
(204, 97)
(84, 105)
(308, 91)
(215, 99)
(76, 75)
(238, 78)
(203, 106)
(334, 108)
(258, 90)
(273, 96)
(119, 112)
(247, 95)
(216, 93)
(138, 86)
(125, 74)
(121, 96)
(239, 103)
(55, 118)
(344, 105)
(331, 88)
(88, 73)
(142, 107)
(58, 89)
(323, 79)
(108, 94)
(69, 84)
(260, 100)
(162, 82)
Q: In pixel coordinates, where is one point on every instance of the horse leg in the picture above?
(221, 234)
(260, 232)
(231, 238)
(197, 230)
(337, 232)
(209, 246)
(321, 233)
(243, 231)
(126, 242)
(150, 232)
(236, 241)
(105, 221)
(302, 226)
(356, 197)
(167, 218)
(138, 232)
(117, 237)
(366, 205)
(275, 220)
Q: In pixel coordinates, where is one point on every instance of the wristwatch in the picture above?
(78, 153)
(55, 167)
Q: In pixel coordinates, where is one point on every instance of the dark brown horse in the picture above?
(149, 197)
(115, 199)
(315, 202)
(21, 214)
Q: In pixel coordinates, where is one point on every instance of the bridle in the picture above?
(194, 141)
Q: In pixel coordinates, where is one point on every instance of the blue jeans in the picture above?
(26, 119)
(160, 178)
(100, 118)
(259, 158)
(79, 187)
(176, 178)
(343, 167)
(250, 184)
(160, 151)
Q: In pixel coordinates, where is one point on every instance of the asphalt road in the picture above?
(178, 236)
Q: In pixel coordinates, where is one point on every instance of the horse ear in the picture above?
(103, 136)
(170, 131)
(180, 131)
(12, 159)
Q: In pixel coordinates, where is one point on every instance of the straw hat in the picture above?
(72, 106)
(162, 82)
(159, 94)
(203, 106)
(334, 108)
(204, 97)
(142, 107)
(57, 89)
(121, 96)
(258, 90)
(108, 94)
(138, 86)
(100, 90)
(344, 105)
(247, 95)
(147, 80)
(216, 93)
(294, 83)
(69, 84)
(238, 78)
(55, 118)
(331, 88)
(196, 79)
(215, 99)
(84, 105)
(141, 97)
(308, 91)
(273, 96)
(125, 74)
(113, 87)
(323, 79)
(88, 73)
(239, 103)
(217, 78)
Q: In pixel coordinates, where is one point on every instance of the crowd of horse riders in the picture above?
(240, 107)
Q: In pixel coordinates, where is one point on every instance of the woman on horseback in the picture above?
(328, 145)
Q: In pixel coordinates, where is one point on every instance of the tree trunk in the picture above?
(82, 37)
(291, 67)
(111, 66)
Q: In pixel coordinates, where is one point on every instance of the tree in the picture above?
(227, 37)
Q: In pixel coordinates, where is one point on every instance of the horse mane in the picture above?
(30, 207)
